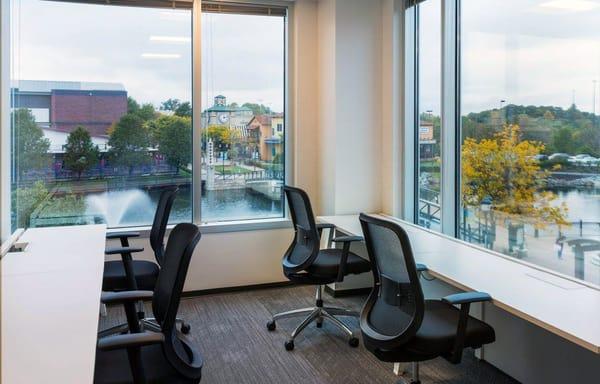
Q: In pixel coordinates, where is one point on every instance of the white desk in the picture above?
(564, 307)
(50, 305)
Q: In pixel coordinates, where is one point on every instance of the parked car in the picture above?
(559, 157)
(584, 159)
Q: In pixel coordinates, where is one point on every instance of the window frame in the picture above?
(451, 131)
(196, 85)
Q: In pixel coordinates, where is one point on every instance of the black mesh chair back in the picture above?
(167, 294)
(394, 310)
(305, 247)
(159, 225)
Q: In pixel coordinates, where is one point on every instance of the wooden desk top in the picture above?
(559, 305)
(50, 305)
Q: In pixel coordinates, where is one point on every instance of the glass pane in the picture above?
(101, 118)
(243, 123)
(530, 131)
(429, 130)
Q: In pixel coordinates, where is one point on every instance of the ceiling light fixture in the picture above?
(171, 39)
(161, 55)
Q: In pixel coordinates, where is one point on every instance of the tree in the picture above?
(80, 153)
(258, 109)
(175, 140)
(129, 142)
(170, 105)
(145, 111)
(184, 110)
(221, 135)
(504, 169)
(32, 147)
(562, 140)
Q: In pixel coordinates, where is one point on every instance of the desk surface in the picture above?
(50, 305)
(562, 306)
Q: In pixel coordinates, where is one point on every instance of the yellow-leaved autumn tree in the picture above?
(505, 169)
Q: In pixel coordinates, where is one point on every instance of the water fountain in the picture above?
(120, 208)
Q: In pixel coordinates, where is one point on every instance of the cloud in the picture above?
(84, 42)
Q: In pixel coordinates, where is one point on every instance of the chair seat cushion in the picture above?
(112, 367)
(328, 261)
(435, 336)
(115, 279)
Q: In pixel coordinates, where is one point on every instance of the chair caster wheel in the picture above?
(353, 342)
(271, 325)
(289, 345)
(320, 323)
(185, 328)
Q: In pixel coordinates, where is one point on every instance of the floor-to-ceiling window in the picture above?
(102, 116)
(429, 114)
(528, 146)
(243, 120)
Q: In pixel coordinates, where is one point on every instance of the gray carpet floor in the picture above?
(229, 329)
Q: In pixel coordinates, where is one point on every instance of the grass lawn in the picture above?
(231, 170)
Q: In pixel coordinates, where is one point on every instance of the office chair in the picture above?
(305, 263)
(130, 275)
(397, 323)
(153, 357)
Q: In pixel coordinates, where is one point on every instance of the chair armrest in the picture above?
(129, 340)
(125, 296)
(464, 299)
(467, 297)
(421, 267)
(121, 235)
(347, 239)
(122, 250)
(325, 226)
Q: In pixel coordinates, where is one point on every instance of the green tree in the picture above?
(32, 147)
(175, 140)
(258, 109)
(129, 142)
(562, 140)
(184, 110)
(170, 105)
(80, 153)
(25, 200)
(145, 111)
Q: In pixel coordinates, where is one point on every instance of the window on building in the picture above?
(530, 154)
(429, 114)
(101, 123)
(243, 161)
(528, 150)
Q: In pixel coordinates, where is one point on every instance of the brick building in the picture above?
(61, 106)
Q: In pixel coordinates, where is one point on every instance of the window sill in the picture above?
(220, 227)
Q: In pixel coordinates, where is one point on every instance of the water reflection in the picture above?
(135, 207)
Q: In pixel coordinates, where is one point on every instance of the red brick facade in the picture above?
(94, 110)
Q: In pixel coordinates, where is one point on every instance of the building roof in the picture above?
(222, 108)
(47, 86)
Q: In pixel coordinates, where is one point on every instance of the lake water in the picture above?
(134, 207)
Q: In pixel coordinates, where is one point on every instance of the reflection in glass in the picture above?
(243, 122)
(100, 117)
(530, 154)
(429, 130)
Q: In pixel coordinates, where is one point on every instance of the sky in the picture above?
(522, 51)
(530, 52)
(149, 51)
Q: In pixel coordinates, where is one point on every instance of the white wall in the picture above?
(350, 112)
